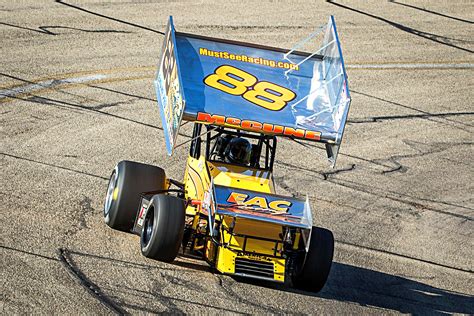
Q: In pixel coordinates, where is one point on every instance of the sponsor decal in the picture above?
(242, 199)
(253, 256)
(141, 215)
(255, 126)
(248, 59)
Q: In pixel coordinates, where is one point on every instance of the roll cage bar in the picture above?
(265, 147)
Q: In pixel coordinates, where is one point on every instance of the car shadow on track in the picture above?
(367, 287)
(346, 283)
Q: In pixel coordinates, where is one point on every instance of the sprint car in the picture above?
(241, 98)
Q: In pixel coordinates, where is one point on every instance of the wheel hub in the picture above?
(110, 193)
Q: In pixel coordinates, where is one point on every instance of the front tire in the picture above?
(128, 180)
(163, 228)
(316, 268)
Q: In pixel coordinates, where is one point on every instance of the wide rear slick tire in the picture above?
(316, 268)
(163, 228)
(128, 180)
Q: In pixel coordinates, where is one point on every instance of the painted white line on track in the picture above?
(46, 85)
(411, 66)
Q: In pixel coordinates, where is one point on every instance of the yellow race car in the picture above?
(241, 98)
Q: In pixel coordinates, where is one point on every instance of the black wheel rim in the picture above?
(148, 227)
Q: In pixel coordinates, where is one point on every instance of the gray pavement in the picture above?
(76, 80)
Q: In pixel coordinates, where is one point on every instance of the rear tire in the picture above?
(128, 180)
(163, 228)
(316, 268)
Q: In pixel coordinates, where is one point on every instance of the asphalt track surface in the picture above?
(77, 97)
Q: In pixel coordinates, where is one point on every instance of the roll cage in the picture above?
(216, 138)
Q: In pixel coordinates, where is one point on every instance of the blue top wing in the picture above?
(254, 88)
(169, 88)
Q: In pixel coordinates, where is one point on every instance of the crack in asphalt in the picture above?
(440, 39)
(376, 119)
(280, 182)
(423, 114)
(406, 257)
(28, 253)
(45, 29)
(122, 93)
(54, 166)
(391, 196)
(108, 17)
(80, 107)
(91, 287)
(116, 304)
(394, 196)
(431, 11)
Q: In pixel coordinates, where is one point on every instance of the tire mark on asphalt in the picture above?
(109, 17)
(281, 183)
(444, 40)
(157, 291)
(338, 171)
(12, 92)
(104, 71)
(54, 166)
(85, 209)
(80, 216)
(91, 288)
(80, 107)
(74, 106)
(405, 256)
(149, 295)
(433, 148)
(262, 307)
(171, 277)
(371, 191)
(113, 104)
(43, 85)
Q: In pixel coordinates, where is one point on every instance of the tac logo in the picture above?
(278, 206)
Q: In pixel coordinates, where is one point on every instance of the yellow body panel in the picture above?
(241, 177)
(225, 260)
(256, 249)
(196, 181)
